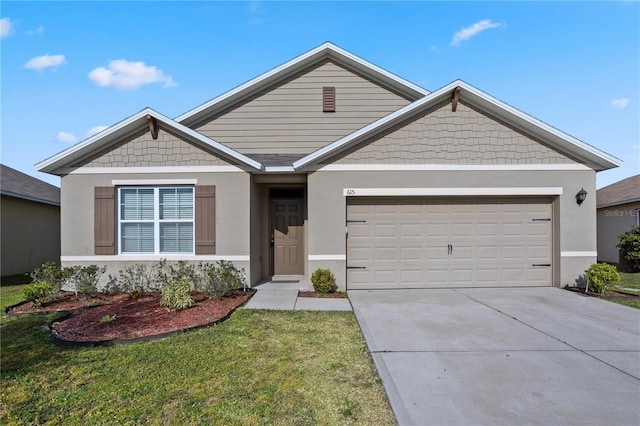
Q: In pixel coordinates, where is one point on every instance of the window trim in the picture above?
(156, 220)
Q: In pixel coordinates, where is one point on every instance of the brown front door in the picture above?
(287, 221)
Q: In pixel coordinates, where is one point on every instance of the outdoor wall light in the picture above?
(580, 196)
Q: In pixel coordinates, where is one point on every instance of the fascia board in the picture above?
(51, 163)
(560, 138)
(601, 160)
(123, 127)
(328, 50)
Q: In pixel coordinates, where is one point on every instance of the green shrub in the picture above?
(219, 279)
(602, 277)
(629, 245)
(164, 273)
(84, 279)
(135, 279)
(54, 275)
(176, 294)
(38, 293)
(323, 281)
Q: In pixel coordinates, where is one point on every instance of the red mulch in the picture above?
(334, 295)
(135, 318)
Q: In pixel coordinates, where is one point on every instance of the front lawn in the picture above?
(629, 283)
(258, 367)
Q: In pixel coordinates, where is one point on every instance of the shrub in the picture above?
(84, 279)
(219, 279)
(629, 245)
(176, 294)
(54, 275)
(602, 277)
(164, 273)
(323, 280)
(38, 293)
(134, 279)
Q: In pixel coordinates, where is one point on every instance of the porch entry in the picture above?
(287, 231)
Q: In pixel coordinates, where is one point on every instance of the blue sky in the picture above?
(69, 68)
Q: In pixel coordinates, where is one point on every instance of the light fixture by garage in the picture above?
(581, 196)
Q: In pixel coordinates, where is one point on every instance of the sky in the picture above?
(69, 69)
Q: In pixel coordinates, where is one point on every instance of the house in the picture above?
(30, 222)
(329, 161)
(618, 209)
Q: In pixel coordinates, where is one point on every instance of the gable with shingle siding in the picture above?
(440, 136)
(289, 118)
(141, 150)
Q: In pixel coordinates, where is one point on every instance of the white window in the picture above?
(156, 220)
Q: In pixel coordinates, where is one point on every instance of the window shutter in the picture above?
(205, 219)
(104, 210)
(328, 99)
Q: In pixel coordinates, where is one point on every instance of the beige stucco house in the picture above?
(30, 222)
(618, 210)
(329, 161)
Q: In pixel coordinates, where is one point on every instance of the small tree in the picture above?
(629, 245)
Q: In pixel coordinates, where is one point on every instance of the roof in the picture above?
(326, 51)
(19, 185)
(622, 192)
(422, 99)
(592, 157)
(127, 127)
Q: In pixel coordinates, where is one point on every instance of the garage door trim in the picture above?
(451, 192)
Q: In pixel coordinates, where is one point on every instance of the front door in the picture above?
(287, 224)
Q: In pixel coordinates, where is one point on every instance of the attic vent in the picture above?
(328, 99)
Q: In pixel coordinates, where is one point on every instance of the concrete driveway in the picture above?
(503, 356)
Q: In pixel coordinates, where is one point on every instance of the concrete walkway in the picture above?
(503, 356)
(282, 294)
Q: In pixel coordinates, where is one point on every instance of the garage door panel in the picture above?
(406, 244)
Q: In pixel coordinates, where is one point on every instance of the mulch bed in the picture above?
(334, 295)
(134, 318)
(613, 295)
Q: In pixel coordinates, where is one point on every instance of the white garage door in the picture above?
(427, 243)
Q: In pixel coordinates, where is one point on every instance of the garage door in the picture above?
(427, 243)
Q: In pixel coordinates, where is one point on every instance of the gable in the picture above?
(141, 150)
(440, 136)
(289, 117)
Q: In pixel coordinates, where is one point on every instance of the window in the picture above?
(156, 220)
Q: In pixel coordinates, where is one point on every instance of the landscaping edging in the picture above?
(66, 314)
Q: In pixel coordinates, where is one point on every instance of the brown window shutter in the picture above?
(104, 225)
(205, 219)
(328, 99)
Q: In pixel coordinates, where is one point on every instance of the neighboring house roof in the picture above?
(19, 185)
(326, 51)
(622, 192)
(592, 157)
(129, 126)
(422, 100)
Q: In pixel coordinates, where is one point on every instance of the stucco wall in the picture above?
(574, 226)
(30, 235)
(232, 218)
(613, 221)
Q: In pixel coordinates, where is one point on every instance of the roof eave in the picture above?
(594, 158)
(128, 126)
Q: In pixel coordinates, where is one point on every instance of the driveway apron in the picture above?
(503, 356)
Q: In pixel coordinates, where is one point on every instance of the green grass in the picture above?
(10, 296)
(632, 303)
(629, 280)
(258, 367)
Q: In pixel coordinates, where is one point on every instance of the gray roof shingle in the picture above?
(622, 192)
(17, 184)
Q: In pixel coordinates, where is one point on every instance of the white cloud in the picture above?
(44, 61)
(6, 27)
(37, 31)
(65, 137)
(124, 74)
(96, 129)
(472, 30)
(620, 103)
